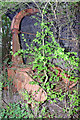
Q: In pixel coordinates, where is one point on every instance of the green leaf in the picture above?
(36, 24)
(58, 13)
(22, 34)
(24, 40)
(54, 100)
(38, 34)
(42, 24)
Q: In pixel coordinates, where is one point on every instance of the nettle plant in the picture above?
(43, 50)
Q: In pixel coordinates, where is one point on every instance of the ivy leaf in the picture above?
(22, 34)
(36, 24)
(33, 83)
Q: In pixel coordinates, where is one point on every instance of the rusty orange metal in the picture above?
(15, 30)
(66, 77)
(19, 75)
(21, 81)
(20, 78)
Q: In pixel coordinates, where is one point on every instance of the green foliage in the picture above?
(16, 110)
(43, 54)
(47, 49)
(5, 5)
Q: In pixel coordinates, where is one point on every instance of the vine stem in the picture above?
(6, 102)
(37, 5)
(44, 53)
(43, 45)
(42, 35)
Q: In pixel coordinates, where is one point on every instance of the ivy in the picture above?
(43, 55)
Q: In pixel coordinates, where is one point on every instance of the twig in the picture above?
(6, 102)
(37, 5)
(57, 105)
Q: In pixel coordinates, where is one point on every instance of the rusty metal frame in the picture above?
(19, 75)
(15, 30)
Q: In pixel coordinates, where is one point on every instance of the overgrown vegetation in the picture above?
(44, 50)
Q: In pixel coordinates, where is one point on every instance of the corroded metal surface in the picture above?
(66, 77)
(15, 30)
(20, 78)
(21, 81)
(19, 75)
